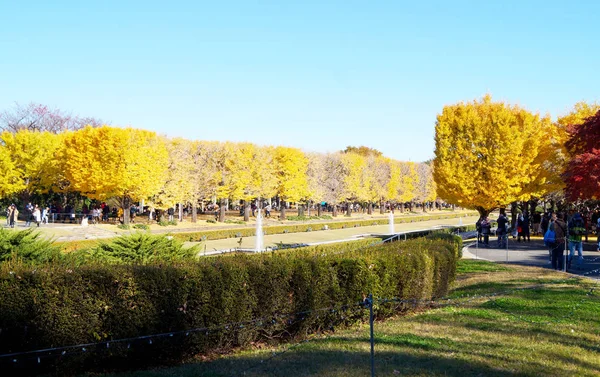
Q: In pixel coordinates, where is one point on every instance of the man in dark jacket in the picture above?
(502, 229)
(558, 246)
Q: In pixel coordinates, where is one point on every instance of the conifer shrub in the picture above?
(140, 248)
(27, 246)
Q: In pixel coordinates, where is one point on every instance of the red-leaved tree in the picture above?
(582, 176)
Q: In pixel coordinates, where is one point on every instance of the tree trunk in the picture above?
(334, 210)
(282, 215)
(300, 209)
(126, 209)
(194, 211)
(513, 214)
(319, 210)
(381, 207)
(180, 212)
(222, 211)
(401, 206)
(370, 209)
(484, 212)
(348, 210)
(246, 210)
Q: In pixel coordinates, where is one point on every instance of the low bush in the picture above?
(56, 306)
(229, 221)
(308, 218)
(139, 248)
(141, 226)
(123, 226)
(27, 246)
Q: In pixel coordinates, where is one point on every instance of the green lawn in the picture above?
(543, 324)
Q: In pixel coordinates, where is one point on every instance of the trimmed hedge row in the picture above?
(57, 306)
(209, 235)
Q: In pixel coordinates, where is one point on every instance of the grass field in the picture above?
(540, 323)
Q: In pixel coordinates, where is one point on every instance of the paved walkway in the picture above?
(534, 253)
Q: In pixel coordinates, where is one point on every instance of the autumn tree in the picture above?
(253, 174)
(291, 166)
(28, 162)
(332, 179)
(582, 175)
(108, 162)
(363, 151)
(353, 176)
(425, 187)
(37, 117)
(178, 187)
(408, 184)
(487, 154)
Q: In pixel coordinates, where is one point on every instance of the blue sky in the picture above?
(319, 75)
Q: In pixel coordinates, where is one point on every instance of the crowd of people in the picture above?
(559, 231)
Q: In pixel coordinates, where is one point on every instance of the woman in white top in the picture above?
(37, 215)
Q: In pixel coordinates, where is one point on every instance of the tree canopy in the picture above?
(488, 154)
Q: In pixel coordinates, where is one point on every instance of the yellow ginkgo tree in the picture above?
(28, 162)
(487, 154)
(108, 162)
(291, 165)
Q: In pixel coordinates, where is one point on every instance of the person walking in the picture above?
(45, 213)
(479, 229)
(486, 228)
(14, 215)
(576, 230)
(557, 246)
(37, 215)
(502, 230)
(28, 214)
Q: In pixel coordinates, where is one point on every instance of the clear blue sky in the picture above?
(319, 75)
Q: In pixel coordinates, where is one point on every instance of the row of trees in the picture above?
(131, 164)
(491, 154)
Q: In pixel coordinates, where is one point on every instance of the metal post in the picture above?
(370, 302)
(507, 246)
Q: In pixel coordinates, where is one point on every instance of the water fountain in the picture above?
(392, 227)
(259, 245)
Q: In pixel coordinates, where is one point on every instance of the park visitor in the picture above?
(13, 216)
(557, 247)
(37, 215)
(502, 231)
(486, 228)
(576, 230)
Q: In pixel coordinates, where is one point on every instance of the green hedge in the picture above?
(57, 306)
(209, 235)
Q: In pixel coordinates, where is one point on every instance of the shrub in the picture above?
(123, 226)
(137, 248)
(27, 246)
(54, 306)
(211, 221)
(163, 223)
(172, 222)
(141, 226)
(229, 221)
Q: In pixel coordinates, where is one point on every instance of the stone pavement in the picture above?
(534, 253)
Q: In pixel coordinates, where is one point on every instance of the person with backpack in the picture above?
(554, 239)
(576, 231)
